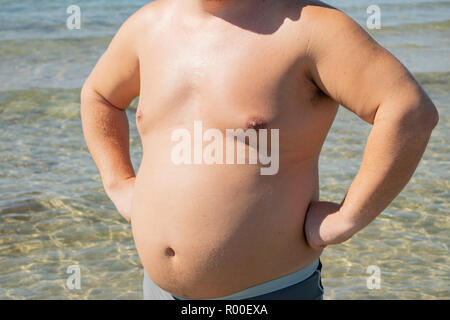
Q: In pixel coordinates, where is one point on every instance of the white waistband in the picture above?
(272, 285)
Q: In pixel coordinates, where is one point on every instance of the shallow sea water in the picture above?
(54, 212)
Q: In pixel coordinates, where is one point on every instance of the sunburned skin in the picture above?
(209, 230)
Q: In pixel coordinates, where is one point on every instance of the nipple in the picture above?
(256, 123)
(139, 115)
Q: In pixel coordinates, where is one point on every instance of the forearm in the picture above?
(394, 148)
(106, 131)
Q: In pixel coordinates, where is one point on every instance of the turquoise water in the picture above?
(54, 212)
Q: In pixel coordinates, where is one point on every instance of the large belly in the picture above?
(204, 231)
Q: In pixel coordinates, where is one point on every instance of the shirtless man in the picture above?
(227, 231)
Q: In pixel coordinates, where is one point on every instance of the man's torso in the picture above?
(204, 231)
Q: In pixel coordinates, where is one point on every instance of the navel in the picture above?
(169, 252)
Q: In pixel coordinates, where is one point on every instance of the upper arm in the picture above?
(353, 69)
(116, 75)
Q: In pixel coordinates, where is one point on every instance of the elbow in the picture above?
(410, 111)
(428, 117)
(86, 92)
(421, 116)
(89, 96)
(434, 117)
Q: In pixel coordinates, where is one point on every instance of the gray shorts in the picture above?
(308, 289)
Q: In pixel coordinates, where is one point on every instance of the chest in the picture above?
(229, 78)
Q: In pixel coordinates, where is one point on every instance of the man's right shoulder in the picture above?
(138, 26)
(146, 16)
